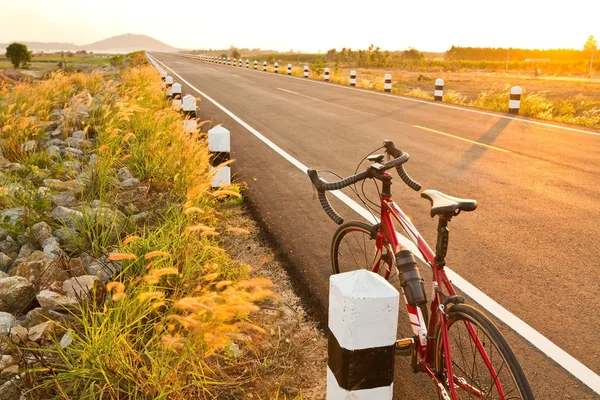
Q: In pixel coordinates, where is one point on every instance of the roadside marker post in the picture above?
(289, 69)
(228, 61)
(235, 62)
(276, 68)
(306, 71)
(190, 124)
(363, 318)
(515, 99)
(219, 146)
(388, 83)
(255, 64)
(352, 78)
(240, 63)
(163, 76)
(326, 75)
(176, 94)
(265, 66)
(169, 86)
(438, 93)
(247, 63)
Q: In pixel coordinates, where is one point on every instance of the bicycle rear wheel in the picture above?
(487, 371)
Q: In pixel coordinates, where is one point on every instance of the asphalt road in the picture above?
(532, 244)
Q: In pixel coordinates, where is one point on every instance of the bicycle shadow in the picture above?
(475, 152)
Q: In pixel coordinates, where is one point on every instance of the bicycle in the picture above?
(450, 333)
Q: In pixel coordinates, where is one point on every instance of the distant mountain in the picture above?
(116, 44)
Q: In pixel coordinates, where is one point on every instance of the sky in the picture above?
(307, 25)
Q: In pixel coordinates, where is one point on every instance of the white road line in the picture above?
(564, 359)
(437, 104)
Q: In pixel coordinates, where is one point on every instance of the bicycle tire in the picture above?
(366, 230)
(513, 381)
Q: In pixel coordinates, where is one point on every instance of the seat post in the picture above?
(441, 248)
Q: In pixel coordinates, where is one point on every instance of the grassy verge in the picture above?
(166, 328)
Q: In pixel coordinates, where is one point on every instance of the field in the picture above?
(42, 64)
(568, 98)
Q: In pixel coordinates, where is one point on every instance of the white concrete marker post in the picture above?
(326, 75)
(247, 63)
(169, 86)
(306, 71)
(352, 78)
(265, 66)
(235, 62)
(255, 64)
(515, 99)
(190, 124)
(439, 89)
(163, 76)
(289, 69)
(176, 94)
(276, 65)
(219, 146)
(363, 318)
(388, 83)
(240, 63)
(228, 61)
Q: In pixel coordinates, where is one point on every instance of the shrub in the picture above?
(18, 54)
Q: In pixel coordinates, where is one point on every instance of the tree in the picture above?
(591, 44)
(18, 54)
(235, 53)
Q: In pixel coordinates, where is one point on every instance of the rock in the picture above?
(29, 146)
(43, 331)
(108, 216)
(52, 249)
(41, 274)
(55, 142)
(130, 182)
(12, 215)
(123, 174)
(67, 339)
(63, 199)
(53, 151)
(3, 178)
(6, 361)
(70, 151)
(72, 165)
(26, 250)
(39, 315)
(78, 135)
(41, 231)
(44, 192)
(14, 167)
(8, 246)
(93, 159)
(71, 218)
(71, 185)
(105, 272)
(5, 262)
(7, 321)
(81, 144)
(131, 209)
(84, 287)
(39, 174)
(16, 294)
(10, 390)
(138, 218)
(77, 266)
(55, 133)
(35, 256)
(3, 274)
(56, 302)
(18, 334)
(66, 235)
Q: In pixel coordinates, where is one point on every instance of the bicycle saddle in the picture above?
(444, 204)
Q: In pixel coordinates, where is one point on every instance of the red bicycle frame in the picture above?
(426, 353)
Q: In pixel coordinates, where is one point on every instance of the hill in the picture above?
(116, 44)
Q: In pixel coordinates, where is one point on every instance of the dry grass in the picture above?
(180, 300)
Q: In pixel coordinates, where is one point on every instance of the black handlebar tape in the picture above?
(407, 179)
(329, 210)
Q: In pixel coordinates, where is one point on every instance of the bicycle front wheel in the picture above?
(483, 364)
(355, 247)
